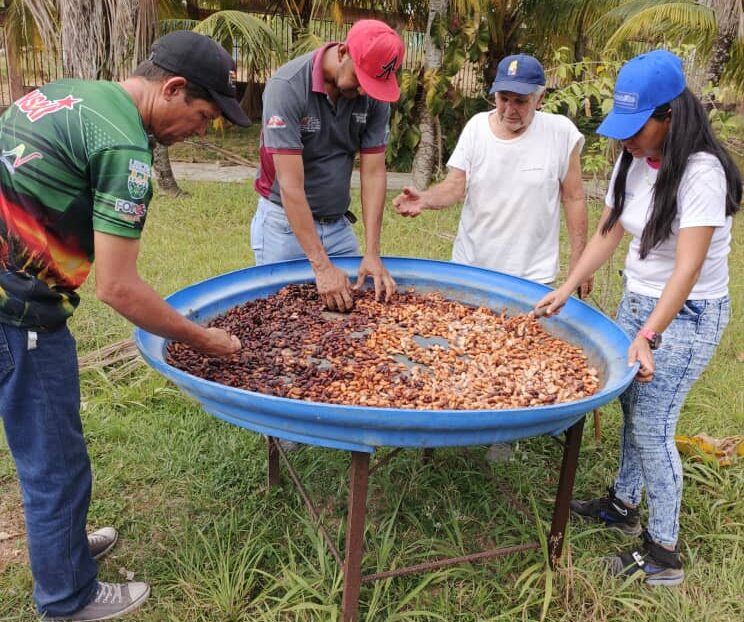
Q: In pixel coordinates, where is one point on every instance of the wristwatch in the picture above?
(653, 338)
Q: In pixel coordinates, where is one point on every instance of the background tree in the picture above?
(714, 27)
(426, 154)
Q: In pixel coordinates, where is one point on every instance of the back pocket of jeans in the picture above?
(6, 359)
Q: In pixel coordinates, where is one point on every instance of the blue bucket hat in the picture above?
(519, 73)
(643, 84)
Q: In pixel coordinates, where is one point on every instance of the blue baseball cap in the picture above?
(643, 84)
(519, 73)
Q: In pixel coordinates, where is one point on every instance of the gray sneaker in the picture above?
(112, 600)
(102, 541)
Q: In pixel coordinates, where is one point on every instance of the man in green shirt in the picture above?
(75, 183)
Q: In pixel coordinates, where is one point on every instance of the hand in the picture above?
(372, 266)
(586, 288)
(409, 202)
(640, 351)
(219, 343)
(334, 288)
(552, 302)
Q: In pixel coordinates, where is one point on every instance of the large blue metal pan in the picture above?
(358, 428)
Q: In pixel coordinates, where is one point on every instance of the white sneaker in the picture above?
(112, 600)
(102, 541)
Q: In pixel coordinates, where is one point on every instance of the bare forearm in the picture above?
(143, 306)
(373, 205)
(672, 298)
(301, 220)
(576, 225)
(693, 245)
(444, 194)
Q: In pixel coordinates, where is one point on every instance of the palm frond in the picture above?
(608, 23)
(671, 21)
(260, 41)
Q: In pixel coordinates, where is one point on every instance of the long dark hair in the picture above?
(689, 132)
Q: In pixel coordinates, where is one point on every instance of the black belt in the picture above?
(329, 220)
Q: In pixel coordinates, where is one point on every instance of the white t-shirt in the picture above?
(511, 216)
(701, 202)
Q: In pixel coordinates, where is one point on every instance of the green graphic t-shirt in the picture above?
(74, 159)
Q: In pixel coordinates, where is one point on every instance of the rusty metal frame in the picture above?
(357, 510)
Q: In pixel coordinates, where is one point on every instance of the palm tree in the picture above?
(10, 19)
(426, 154)
(714, 27)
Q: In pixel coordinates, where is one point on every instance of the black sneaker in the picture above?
(611, 511)
(658, 565)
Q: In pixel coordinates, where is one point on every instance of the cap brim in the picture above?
(623, 125)
(231, 109)
(522, 88)
(381, 90)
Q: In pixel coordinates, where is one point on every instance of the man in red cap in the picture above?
(319, 111)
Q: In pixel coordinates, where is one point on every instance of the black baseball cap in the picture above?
(204, 62)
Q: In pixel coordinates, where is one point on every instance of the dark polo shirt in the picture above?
(299, 118)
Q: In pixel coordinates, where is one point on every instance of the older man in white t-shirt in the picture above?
(514, 166)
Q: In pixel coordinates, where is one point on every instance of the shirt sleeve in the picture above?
(377, 128)
(121, 186)
(283, 109)
(461, 157)
(701, 198)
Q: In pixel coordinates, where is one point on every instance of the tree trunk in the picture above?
(13, 55)
(727, 19)
(426, 152)
(192, 9)
(81, 25)
(164, 173)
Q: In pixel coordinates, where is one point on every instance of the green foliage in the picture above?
(461, 41)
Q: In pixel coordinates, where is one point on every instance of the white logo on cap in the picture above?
(626, 100)
(512, 71)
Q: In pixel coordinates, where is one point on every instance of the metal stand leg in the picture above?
(273, 474)
(565, 488)
(597, 428)
(355, 535)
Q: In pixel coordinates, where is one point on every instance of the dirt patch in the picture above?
(12, 526)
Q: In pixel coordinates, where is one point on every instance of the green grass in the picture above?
(188, 492)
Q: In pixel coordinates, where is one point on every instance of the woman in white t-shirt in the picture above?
(675, 190)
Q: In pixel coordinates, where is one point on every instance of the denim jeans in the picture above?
(648, 454)
(40, 408)
(272, 238)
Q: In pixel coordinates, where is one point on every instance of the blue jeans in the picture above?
(648, 454)
(272, 238)
(40, 398)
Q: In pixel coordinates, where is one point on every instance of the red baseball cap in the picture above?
(377, 53)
